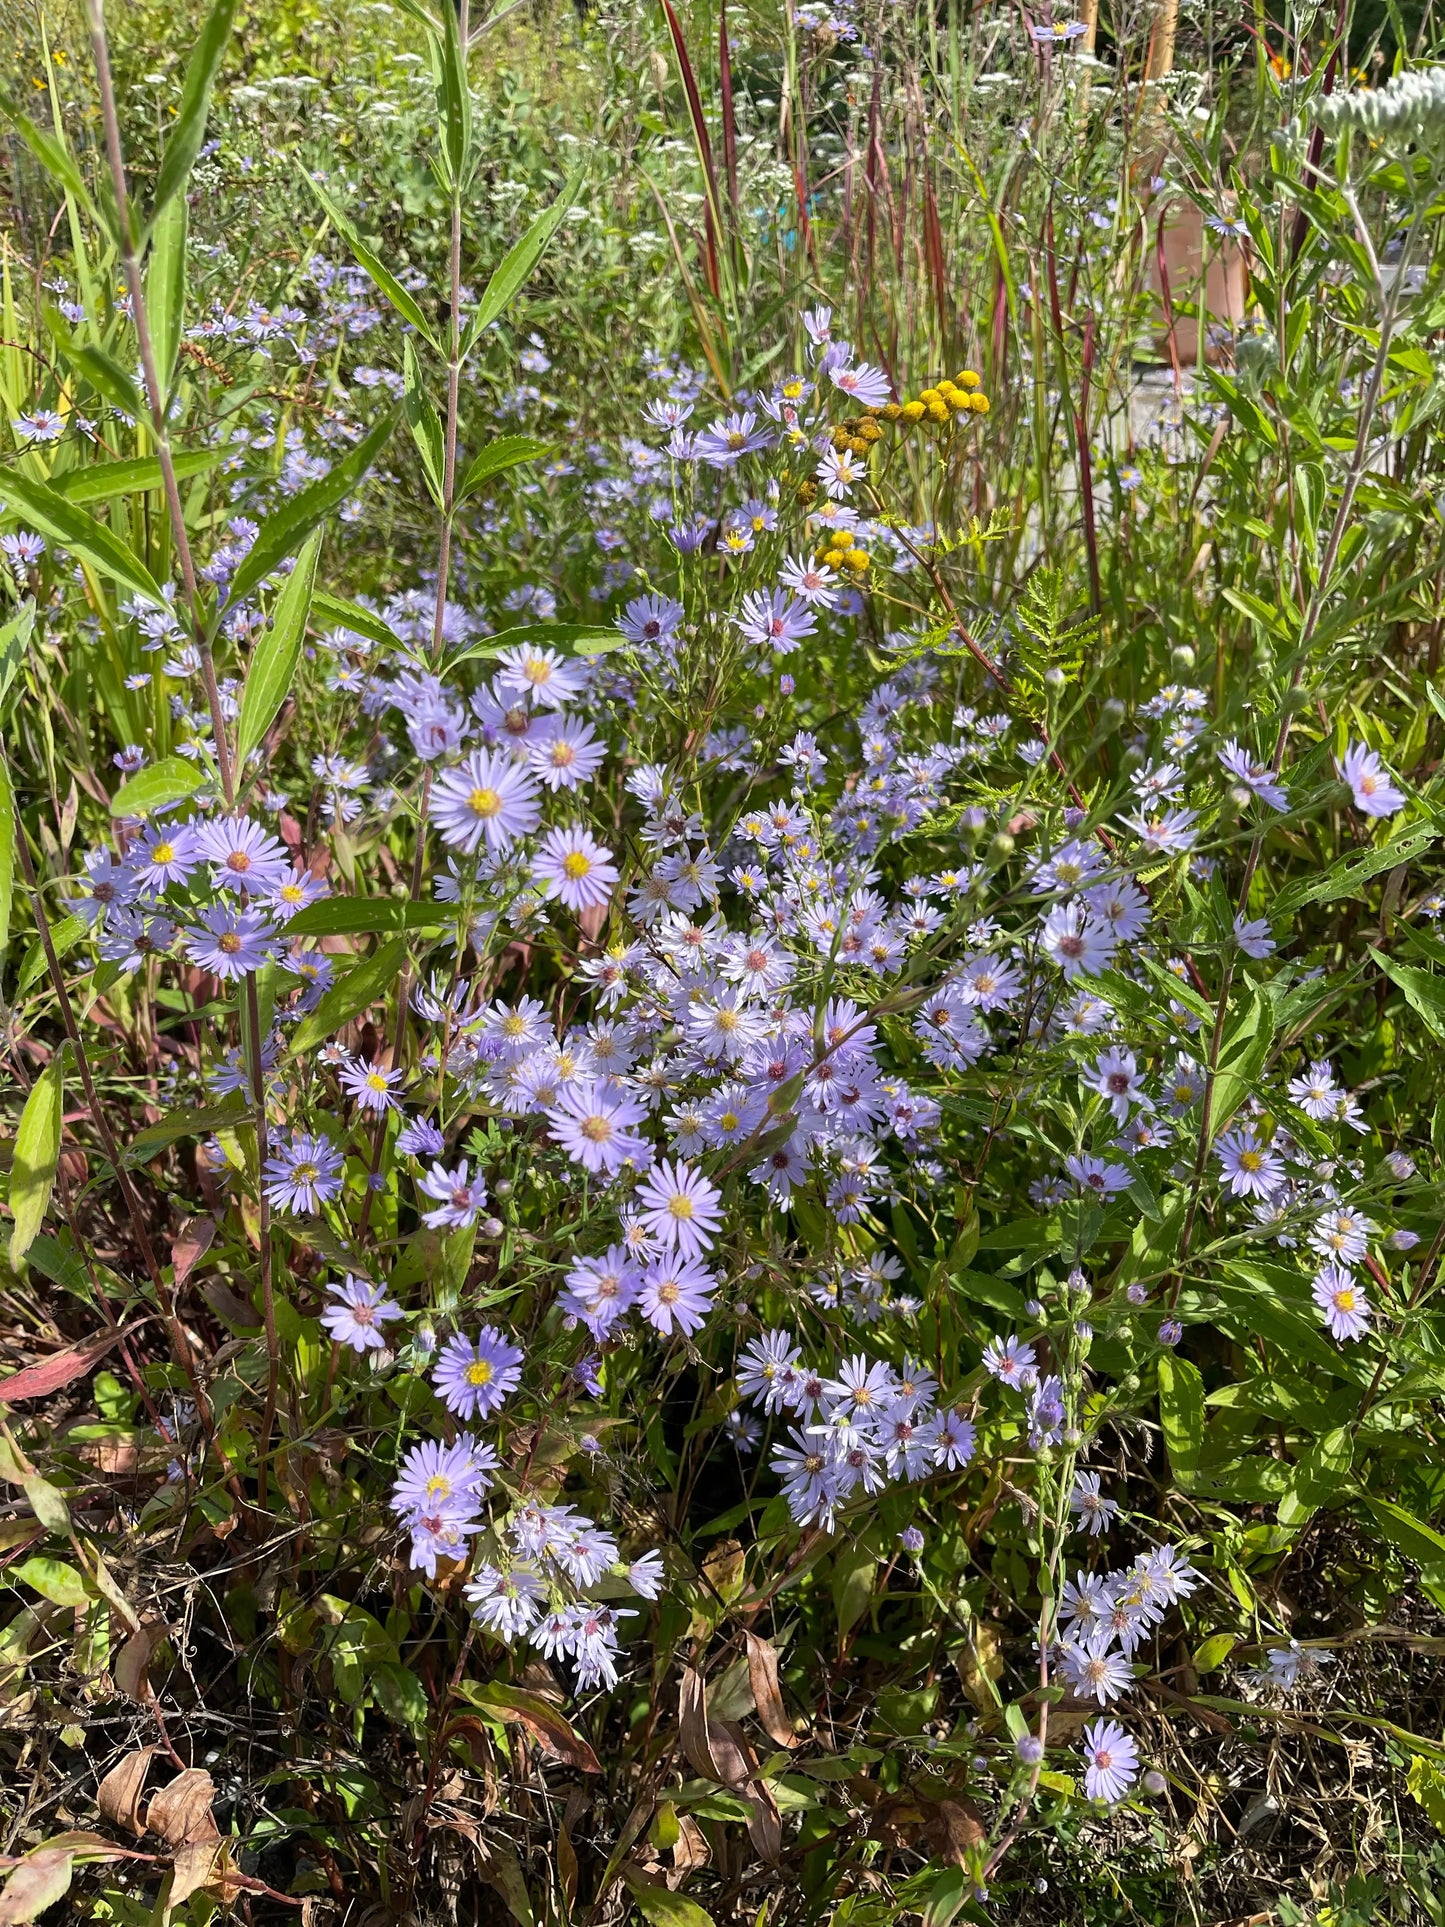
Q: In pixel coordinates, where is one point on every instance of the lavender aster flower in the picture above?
(473, 1378)
(359, 1313)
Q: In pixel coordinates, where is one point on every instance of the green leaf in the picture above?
(102, 481)
(178, 1124)
(171, 780)
(47, 1502)
(62, 1585)
(63, 522)
(855, 1571)
(364, 984)
(1242, 1056)
(108, 378)
(1318, 1478)
(661, 1906)
(63, 937)
(1424, 992)
(507, 451)
(189, 131)
(425, 425)
(581, 638)
(351, 615)
(14, 641)
(518, 263)
(1343, 878)
(454, 100)
(395, 293)
(1181, 1415)
(7, 853)
(37, 1147)
(1412, 1536)
(57, 160)
(1213, 1653)
(165, 290)
(946, 1896)
(273, 666)
(357, 916)
(284, 532)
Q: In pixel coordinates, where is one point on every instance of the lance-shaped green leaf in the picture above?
(360, 916)
(454, 99)
(189, 130)
(284, 532)
(351, 615)
(178, 1124)
(507, 451)
(425, 425)
(64, 936)
(273, 667)
(14, 641)
(169, 781)
(102, 371)
(7, 852)
(519, 262)
(58, 161)
(37, 1149)
(404, 303)
(165, 289)
(578, 638)
(363, 985)
(52, 515)
(103, 481)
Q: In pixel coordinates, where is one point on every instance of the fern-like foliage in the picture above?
(1045, 639)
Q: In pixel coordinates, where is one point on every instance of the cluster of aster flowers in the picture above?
(853, 1432)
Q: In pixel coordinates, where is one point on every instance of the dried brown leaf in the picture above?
(181, 1812)
(50, 1374)
(193, 1241)
(767, 1692)
(119, 1794)
(132, 1665)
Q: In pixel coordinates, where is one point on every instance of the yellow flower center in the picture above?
(484, 802)
(679, 1206)
(1250, 1160)
(164, 853)
(575, 866)
(597, 1130)
(479, 1372)
(230, 942)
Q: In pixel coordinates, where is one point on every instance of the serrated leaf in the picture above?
(37, 1882)
(273, 666)
(507, 451)
(169, 781)
(189, 130)
(165, 290)
(385, 280)
(518, 263)
(283, 533)
(102, 481)
(362, 916)
(52, 515)
(362, 986)
(37, 1149)
(1344, 877)
(425, 425)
